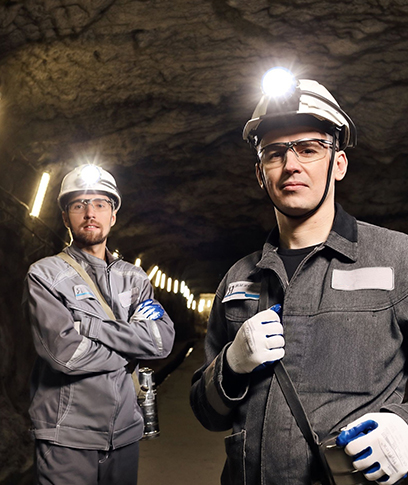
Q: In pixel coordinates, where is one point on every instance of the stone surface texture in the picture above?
(157, 92)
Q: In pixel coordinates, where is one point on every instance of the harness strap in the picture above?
(292, 397)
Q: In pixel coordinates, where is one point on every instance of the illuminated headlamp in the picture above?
(279, 82)
(88, 176)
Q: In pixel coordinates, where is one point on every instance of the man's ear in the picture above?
(259, 175)
(65, 219)
(341, 165)
(113, 218)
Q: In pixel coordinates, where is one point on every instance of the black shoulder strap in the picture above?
(287, 387)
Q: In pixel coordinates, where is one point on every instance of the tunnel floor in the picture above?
(185, 453)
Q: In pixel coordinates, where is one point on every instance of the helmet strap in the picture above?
(326, 189)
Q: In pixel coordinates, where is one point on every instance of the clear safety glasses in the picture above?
(306, 150)
(99, 205)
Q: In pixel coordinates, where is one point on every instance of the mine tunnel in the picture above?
(157, 93)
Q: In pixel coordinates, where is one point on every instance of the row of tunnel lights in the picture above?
(161, 280)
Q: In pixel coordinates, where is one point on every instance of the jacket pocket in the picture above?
(234, 469)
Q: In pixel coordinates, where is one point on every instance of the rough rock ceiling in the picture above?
(159, 90)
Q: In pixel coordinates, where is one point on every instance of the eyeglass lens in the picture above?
(310, 150)
(99, 205)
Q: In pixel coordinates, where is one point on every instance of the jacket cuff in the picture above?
(217, 389)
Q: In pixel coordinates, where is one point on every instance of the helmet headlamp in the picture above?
(90, 179)
(278, 82)
(287, 99)
(88, 176)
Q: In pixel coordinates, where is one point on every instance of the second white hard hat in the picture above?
(89, 178)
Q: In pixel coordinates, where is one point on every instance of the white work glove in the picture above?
(148, 310)
(378, 443)
(258, 341)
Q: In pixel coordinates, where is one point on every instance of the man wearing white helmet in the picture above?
(307, 338)
(92, 318)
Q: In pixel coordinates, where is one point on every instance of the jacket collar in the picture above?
(342, 239)
(80, 255)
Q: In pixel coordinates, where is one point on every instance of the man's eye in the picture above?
(275, 154)
(77, 206)
(101, 204)
(309, 149)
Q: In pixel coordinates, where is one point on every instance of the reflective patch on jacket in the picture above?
(128, 297)
(242, 290)
(82, 292)
(377, 278)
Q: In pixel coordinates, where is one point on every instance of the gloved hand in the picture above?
(378, 443)
(148, 310)
(259, 340)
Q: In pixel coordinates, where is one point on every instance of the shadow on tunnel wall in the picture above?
(23, 241)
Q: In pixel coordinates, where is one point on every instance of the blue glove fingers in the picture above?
(276, 308)
(145, 303)
(150, 310)
(372, 468)
(355, 432)
(156, 313)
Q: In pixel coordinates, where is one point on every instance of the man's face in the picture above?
(296, 187)
(89, 227)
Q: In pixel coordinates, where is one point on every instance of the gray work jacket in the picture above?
(345, 315)
(82, 391)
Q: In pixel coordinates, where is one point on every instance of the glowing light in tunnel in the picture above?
(39, 198)
(201, 305)
(163, 281)
(169, 284)
(182, 285)
(158, 277)
(138, 262)
(153, 272)
(175, 286)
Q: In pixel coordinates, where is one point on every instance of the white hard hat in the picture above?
(88, 178)
(304, 99)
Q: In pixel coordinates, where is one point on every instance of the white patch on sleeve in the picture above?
(242, 290)
(81, 349)
(128, 297)
(377, 278)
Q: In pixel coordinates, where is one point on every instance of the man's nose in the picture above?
(89, 210)
(292, 162)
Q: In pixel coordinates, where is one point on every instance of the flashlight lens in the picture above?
(278, 82)
(90, 175)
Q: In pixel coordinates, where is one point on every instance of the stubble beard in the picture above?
(85, 240)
